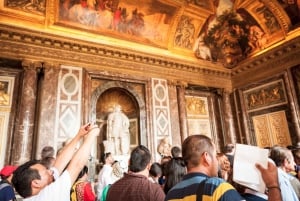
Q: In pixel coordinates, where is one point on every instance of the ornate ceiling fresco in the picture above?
(221, 31)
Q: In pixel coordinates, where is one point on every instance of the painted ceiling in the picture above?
(222, 31)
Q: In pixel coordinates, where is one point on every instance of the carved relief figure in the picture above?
(196, 106)
(257, 38)
(275, 94)
(184, 33)
(32, 6)
(266, 97)
(252, 100)
(118, 131)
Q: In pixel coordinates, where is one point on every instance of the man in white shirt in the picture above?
(284, 160)
(35, 182)
(104, 177)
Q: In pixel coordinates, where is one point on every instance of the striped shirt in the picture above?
(212, 189)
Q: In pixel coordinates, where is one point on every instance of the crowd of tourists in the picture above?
(194, 171)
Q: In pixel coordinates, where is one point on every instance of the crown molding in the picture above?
(20, 43)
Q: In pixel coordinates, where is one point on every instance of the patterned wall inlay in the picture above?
(68, 110)
(268, 95)
(161, 114)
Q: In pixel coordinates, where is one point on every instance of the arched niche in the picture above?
(132, 103)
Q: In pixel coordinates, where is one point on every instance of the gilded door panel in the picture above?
(271, 129)
(279, 128)
(262, 131)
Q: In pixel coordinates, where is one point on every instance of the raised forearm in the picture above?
(81, 156)
(69, 149)
(66, 154)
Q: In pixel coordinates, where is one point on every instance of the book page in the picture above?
(244, 170)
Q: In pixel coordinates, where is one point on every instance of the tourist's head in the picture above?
(283, 158)
(200, 151)
(140, 158)
(31, 177)
(155, 170)
(176, 152)
(47, 151)
(229, 148)
(107, 158)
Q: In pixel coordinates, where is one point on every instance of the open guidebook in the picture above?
(244, 170)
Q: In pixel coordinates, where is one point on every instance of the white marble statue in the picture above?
(118, 134)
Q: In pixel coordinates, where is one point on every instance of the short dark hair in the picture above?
(193, 147)
(175, 152)
(47, 151)
(155, 170)
(174, 171)
(140, 157)
(84, 171)
(105, 156)
(228, 148)
(279, 154)
(23, 176)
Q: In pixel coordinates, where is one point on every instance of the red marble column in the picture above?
(228, 119)
(292, 96)
(182, 112)
(23, 136)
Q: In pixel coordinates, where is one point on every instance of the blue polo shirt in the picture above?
(212, 189)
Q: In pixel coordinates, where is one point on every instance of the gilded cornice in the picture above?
(25, 44)
(274, 60)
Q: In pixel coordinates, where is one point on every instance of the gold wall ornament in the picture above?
(271, 129)
(6, 89)
(4, 96)
(198, 118)
(265, 96)
(196, 106)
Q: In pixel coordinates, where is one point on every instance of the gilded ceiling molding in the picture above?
(51, 7)
(290, 49)
(280, 14)
(29, 44)
(268, 64)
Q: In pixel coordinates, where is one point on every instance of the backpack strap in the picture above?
(200, 189)
(3, 185)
